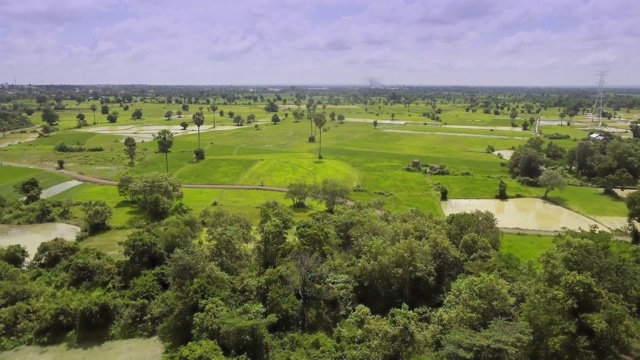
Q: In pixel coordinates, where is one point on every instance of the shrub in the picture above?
(502, 190)
(312, 139)
(556, 136)
(199, 154)
(490, 149)
(61, 164)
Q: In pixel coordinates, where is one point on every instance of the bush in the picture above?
(199, 154)
(490, 149)
(523, 180)
(502, 190)
(556, 136)
(312, 139)
(61, 164)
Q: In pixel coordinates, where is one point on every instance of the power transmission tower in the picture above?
(596, 112)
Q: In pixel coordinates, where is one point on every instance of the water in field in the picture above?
(526, 214)
(131, 349)
(57, 189)
(31, 236)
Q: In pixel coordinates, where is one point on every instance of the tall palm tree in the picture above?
(320, 120)
(94, 108)
(165, 143)
(198, 120)
(214, 108)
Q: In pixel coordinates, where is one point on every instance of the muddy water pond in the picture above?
(526, 214)
(30, 236)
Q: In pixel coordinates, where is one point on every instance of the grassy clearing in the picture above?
(525, 246)
(10, 175)
(589, 201)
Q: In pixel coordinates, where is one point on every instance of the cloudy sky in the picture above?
(417, 42)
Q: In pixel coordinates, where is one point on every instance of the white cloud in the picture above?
(320, 41)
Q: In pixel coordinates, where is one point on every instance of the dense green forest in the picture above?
(352, 284)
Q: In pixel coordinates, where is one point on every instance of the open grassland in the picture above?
(525, 246)
(10, 175)
(355, 153)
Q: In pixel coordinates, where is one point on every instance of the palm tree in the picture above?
(320, 120)
(165, 142)
(214, 108)
(94, 108)
(198, 120)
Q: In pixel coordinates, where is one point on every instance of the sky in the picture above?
(320, 42)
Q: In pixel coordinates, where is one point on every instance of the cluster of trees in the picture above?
(154, 193)
(529, 160)
(608, 163)
(353, 284)
(12, 120)
(32, 209)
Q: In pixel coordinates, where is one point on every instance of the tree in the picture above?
(179, 113)
(214, 108)
(320, 120)
(633, 205)
(298, 115)
(198, 120)
(164, 138)
(104, 109)
(331, 192)
(551, 179)
(251, 118)
(150, 191)
(49, 116)
(42, 99)
(185, 107)
(502, 190)
(271, 107)
(298, 192)
(393, 116)
(341, 118)
(332, 116)
(231, 114)
(198, 154)
(375, 124)
(81, 120)
(130, 148)
(51, 253)
(96, 215)
(238, 120)
(512, 116)
(136, 114)
(168, 114)
(275, 119)
(113, 117)
(14, 255)
(30, 189)
(562, 116)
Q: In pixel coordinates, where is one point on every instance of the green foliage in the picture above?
(96, 215)
(113, 117)
(14, 255)
(298, 192)
(30, 189)
(10, 120)
(550, 180)
(50, 117)
(331, 192)
(153, 192)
